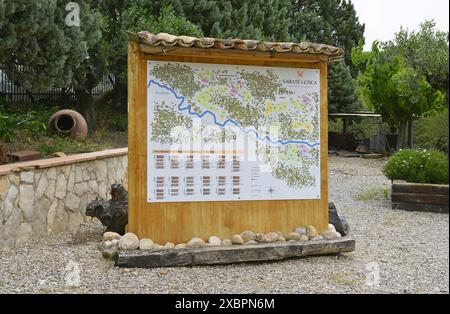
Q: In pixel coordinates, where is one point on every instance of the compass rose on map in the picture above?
(271, 190)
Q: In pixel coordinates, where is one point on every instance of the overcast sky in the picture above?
(384, 17)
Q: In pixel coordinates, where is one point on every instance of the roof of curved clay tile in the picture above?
(303, 48)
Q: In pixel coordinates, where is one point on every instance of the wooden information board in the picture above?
(225, 140)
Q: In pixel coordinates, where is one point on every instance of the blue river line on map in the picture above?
(188, 109)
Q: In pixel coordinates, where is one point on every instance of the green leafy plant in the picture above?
(418, 166)
(376, 193)
(8, 122)
(428, 130)
(18, 120)
(119, 123)
(405, 79)
(8, 125)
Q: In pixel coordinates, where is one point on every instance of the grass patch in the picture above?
(345, 279)
(374, 194)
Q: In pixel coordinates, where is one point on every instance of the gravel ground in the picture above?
(410, 251)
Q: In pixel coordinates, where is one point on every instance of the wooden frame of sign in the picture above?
(179, 222)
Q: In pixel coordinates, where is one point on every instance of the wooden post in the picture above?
(345, 127)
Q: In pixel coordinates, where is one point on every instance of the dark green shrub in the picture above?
(32, 123)
(428, 130)
(119, 122)
(418, 166)
(8, 122)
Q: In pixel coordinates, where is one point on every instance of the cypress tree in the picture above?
(332, 22)
(37, 48)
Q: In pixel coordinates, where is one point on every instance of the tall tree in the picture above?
(332, 22)
(253, 19)
(40, 47)
(341, 89)
(395, 89)
(426, 51)
(121, 16)
(37, 48)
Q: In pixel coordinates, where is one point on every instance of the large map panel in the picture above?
(229, 133)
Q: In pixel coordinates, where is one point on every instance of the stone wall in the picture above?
(49, 196)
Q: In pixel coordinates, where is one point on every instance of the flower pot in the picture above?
(68, 123)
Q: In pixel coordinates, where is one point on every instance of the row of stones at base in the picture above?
(130, 241)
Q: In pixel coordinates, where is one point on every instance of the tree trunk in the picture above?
(85, 103)
(120, 97)
(401, 135)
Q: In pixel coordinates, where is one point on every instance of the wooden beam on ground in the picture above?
(214, 255)
(416, 207)
(404, 187)
(420, 198)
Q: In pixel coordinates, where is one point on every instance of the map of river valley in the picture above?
(220, 132)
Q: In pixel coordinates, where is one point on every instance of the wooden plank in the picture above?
(179, 222)
(420, 198)
(134, 112)
(216, 255)
(354, 115)
(421, 207)
(404, 187)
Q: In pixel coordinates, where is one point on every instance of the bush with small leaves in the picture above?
(418, 166)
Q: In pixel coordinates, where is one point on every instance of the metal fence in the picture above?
(16, 94)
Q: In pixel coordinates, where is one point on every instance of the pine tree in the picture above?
(37, 48)
(252, 19)
(134, 15)
(341, 89)
(332, 22)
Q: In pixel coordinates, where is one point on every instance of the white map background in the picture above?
(230, 133)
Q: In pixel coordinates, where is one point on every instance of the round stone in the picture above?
(311, 232)
(292, 236)
(214, 241)
(304, 238)
(115, 244)
(129, 241)
(237, 239)
(169, 245)
(196, 242)
(109, 236)
(145, 244)
(272, 237)
(331, 235)
(227, 242)
(107, 245)
(300, 230)
(248, 236)
(108, 253)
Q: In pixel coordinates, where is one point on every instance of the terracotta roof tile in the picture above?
(163, 39)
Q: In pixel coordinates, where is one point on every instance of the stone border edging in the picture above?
(61, 161)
